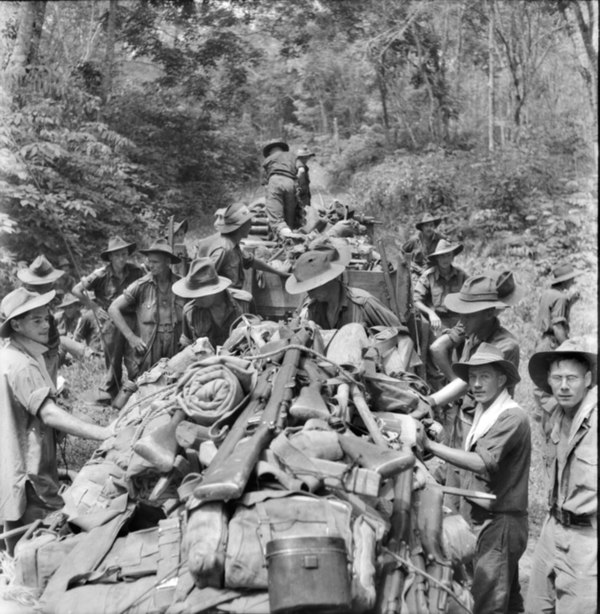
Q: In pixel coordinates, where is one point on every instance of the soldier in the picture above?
(330, 302)
(158, 311)
(107, 283)
(424, 242)
(553, 324)
(495, 459)
(564, 572)
(283, 211)
(303, 155)
(30, 416)
(212, 310)
(478, 303)
(555, 307)
(436, 282)
(233, 224)
(41, 277)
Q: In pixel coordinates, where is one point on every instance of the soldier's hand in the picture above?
(435, 322)
(137, 345)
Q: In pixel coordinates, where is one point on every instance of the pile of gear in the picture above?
(281, 473)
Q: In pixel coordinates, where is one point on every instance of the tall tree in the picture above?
(29, 34)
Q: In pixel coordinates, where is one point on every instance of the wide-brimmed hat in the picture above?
(312, 270)
(274, 143)
(232, 217)
(338, 249)
(477, 294)
(563, 272)
(39, 272)
(201, 280)
(67, 301)
(114, 245)
(161, 247)
(426, 218)
(487, 354)
(18, 302)
(445, 247)
(183, 225)
(304, 152)
(584, 348)
(509, 292)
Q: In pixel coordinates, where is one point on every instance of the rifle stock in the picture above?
(230, 470)
(393, 575)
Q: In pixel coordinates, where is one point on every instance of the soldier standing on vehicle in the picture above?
(107, 283)
(422, 244)
(30, 416)
(157, 310)
(303, 155)
(330, 302)
(284, 213)
(436, 282)
(495, 459)
(564, 573)
(230, 260)
(211, 309)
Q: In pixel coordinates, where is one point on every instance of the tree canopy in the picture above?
(120, 113)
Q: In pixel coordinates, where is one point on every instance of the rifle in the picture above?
(225, 480)
(393, 574)
(170, 233)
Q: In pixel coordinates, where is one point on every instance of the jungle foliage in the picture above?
(121, 113)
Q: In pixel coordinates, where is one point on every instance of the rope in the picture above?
(292, 346)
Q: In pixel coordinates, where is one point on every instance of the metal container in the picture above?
(308, 574)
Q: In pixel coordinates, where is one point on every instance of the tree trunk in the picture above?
(491, 27)
(110, 51)
(25, 51)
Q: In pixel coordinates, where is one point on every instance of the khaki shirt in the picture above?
(356, 306)
(574, 475)
(199, 322)
(230, 260)
(105, 284)
(433, 287)
(142, 295)
(27, 445)
(555, 307)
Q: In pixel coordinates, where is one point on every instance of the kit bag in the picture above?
(270, 514)
(39, 556)
(109, 571)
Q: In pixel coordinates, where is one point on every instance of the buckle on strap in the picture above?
(567, 518)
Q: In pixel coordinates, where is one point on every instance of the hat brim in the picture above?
(565, 277)
(436, 221)
(39, 301)
(539, 365)
(173, 257)
(33, 280)
(180, 288)
(454, 251)
(226, 228)
(68, 304)
(461, 369)
(457, 305)
(293, 286)
(267, 148)
(130, 247)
